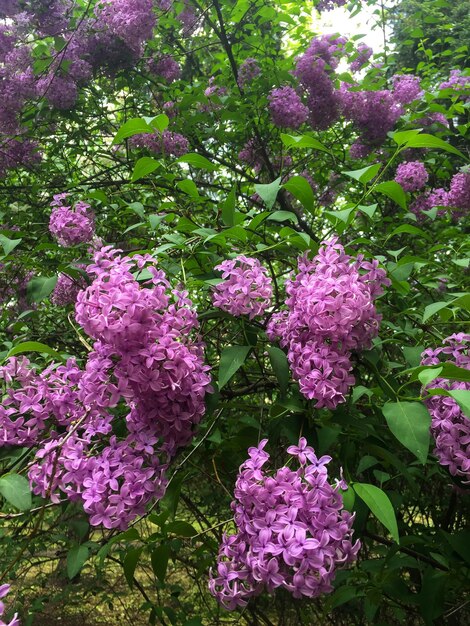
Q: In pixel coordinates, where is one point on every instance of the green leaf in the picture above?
(429, 141)
(40, 288)
(143, 167)
(435, 307)
(130, 563)
(283, 216)
(410, 423)
(33, 346)
(231, 359)
(9, 245)
(15, 489)
(303, 141)
(410, 229)
(134, 126)
(429, 374)
(181, 528)
(268, 193)
(228, 208)
(159, 558)
(76, 558)
(197, 160)
(365, 174)
(280, 366)
(380, 505)
(402, 137)
(394, 191)
(188, 186)
(160, 122)
(300, 188)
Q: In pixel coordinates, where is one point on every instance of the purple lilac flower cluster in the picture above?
(246, 288)
(4, 590)
(458, 82)
(330, 313)
(167, 143)
(286, 108)
(248, 71)
(406, 88)
(143, 362)
(131, 21)
(449, 426)
(374, 113)
(361, 57)
(166, 67)
(292, 530)
(314, 70)
(67, 288)
(329, 5)
(457, 198)
(411, 175)
(71, 226)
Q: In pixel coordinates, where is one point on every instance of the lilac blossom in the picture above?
(167, 143)
(248, 71)
(67, 288)
(330, 313)
(292, 530)
(459, 192)
(286, 108)
(411, 175)
(406, 88)
(361, 57)
(166, 67)
(449, 426)
(246, 288)
(4, 590)
(71, 226)
(329, 5)
(145, 360)
(132, 21)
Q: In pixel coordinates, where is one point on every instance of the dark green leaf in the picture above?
(280, 366)
(132, 127)
(231, 359)
(392, 190)
(159, 558)
(268, 193)
(300, 188)
(410, 423)
(143, 167)
(76, 558)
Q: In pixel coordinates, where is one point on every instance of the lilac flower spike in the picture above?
(246, 289)
(292, 530)
(4, 590)
(449, 426)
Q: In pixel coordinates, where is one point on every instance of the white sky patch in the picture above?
(340, 21)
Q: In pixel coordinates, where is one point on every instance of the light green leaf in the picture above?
(365, 174)
(33, 346)
(429, 141)
(429, 374)
(402, 137)
(197, 160)
(228, 208)
(410, 423)
(76, 558)
(231, 359)
(461, 396)
(134, 126)
(463, 301)
(300, 188)
(188, 186)
(380, 505)
(143, 167)
(15, 489)
(303, 141)
(268, 193)
(9, 245)
(392, 190)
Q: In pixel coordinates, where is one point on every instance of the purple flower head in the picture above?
(406, 88)
(167, 143)
(71, 226)
(67, 288)
(411, 175)
(246, 288)
(329, 5)
(292, 531)
(330, 312)
(131, 21)
(166, 67)
(449, 426)
(459, 192)
(287, 110)
(248, 71)
(361, 57)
